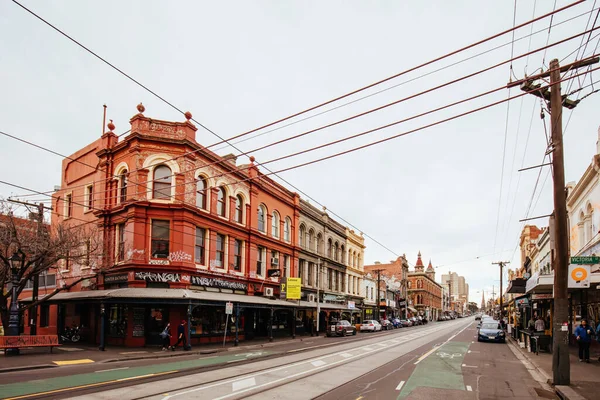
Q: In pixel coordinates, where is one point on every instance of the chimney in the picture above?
(230, 158)
(377, 263)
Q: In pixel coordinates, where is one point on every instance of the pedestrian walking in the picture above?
(166, 337)
(531, 324)
(181, 336)
(583, 333)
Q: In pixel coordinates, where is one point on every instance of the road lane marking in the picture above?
(469, 366)
(399, 387)
(74, 362)
(367, 348)
(134, 377)
(473, 351)
(232, 361)
(469, 388)
(112, 369)
(318, 363)
(243, 384)
(424, 356)
(346, 355)
(134, 352)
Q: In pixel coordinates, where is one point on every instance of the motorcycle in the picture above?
(71, 334)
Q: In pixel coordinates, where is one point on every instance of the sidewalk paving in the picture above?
(585, 377)
(36, 358)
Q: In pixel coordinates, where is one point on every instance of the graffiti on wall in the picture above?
(158, 276)
(180, 256)
(218, 283)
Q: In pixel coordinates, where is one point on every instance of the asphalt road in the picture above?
(436, 361)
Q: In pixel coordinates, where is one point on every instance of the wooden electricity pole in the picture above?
(561, 367)
(501, 264)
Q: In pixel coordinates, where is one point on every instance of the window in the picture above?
(301, 269)
(329, 248)
(262, 212)
(343, 255)
(120, 242)
(44, 280)
(201, 187)
(239, 209)
(222, 202)
(311, 240)
(162, 182)
(275, 259)
(336, 250)
(237, 255)
(286, 266)
(44, 315)
(88, 250)
(275, 225)
(69, 205)
(123, 186)
(301, 235)
(287, 230)
(260, 260)
(310, 273)
(220, 251)
(160, 238)
(200, 249)
(319, 244)
(329, 279)
(89, 197)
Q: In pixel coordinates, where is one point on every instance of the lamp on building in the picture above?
(16, 263)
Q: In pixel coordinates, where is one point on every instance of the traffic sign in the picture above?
(589, 260)
(229, 308)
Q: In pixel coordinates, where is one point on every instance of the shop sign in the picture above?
(522, 302)
(283, 289)
(402, 303)
(589, 260)
(217, 283)
(579, 276)
(330, 297)
(273, 273)
(119, 278)
(157, 276)
(541, 296)
(294, 288)
(351, 305)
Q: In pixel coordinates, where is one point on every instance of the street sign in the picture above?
(294, 288)
(589, 260)
(351, 305)
(229, 308)
(579, 276)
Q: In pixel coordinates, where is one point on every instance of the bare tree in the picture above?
(61, 247)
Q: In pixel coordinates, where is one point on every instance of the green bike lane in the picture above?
(63, 384)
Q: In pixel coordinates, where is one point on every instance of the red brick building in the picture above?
(184, 231)
(423, 291)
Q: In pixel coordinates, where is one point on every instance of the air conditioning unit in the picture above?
(274, 261)
(269, 292)
(312, 298)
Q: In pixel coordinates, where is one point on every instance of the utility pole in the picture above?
(318, 293)
(561, 367)
(501, 264)
(39, 217)
(378, 292)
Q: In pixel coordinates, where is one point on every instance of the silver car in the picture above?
(370, 325)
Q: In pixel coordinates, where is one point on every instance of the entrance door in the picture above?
(156, 321)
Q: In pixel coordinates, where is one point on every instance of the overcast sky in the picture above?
(239, 65)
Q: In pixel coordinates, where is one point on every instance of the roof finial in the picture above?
(188, 115)
(111, 126)
(141, 108)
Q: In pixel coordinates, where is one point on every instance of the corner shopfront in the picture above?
(134, 317)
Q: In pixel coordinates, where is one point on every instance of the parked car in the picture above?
(341, 328)
(370, 325)
(406, 322)
(416, 321)
(396, 322)
(491, 331)
(386, 324)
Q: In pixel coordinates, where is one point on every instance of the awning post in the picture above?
(237, 324)
(188, 331)
(102, 327)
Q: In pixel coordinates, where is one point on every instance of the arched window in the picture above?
(329, 248)
(262, 215)
(239, 209)
(311, 239)
(222, 202)
(590, 222)
(408, 284)
(201, 187)
(343, 254)
(275, 225)
(287, 230)
(358, 262)
(319, 244)
(301, 236)
(162, 182)
(581, 230)
(123, 185)
(336, 250)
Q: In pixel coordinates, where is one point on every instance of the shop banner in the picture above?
(579, 276)
(541, 296)
(294, 288)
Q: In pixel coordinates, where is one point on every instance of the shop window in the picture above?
(220, 251)
(162, 183)
(237, 255)
(44, 315)
(117, 320)
(211, 321)
(160, 238)
(200, 250)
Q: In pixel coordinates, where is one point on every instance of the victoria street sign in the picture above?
(590, 260)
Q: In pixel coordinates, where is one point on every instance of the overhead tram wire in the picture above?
(312, 108)
(348, 138)
(373, 110)
(358, 90)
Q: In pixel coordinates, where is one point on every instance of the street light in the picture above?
(16, 263)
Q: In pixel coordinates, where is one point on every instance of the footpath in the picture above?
(585, 378)
(73, 354)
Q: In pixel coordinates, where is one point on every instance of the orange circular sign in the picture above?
(579, 274)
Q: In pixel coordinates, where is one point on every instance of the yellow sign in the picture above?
(579, 276)
(294, 288)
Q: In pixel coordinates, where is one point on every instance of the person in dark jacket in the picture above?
(583, 333)
(181, 336)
